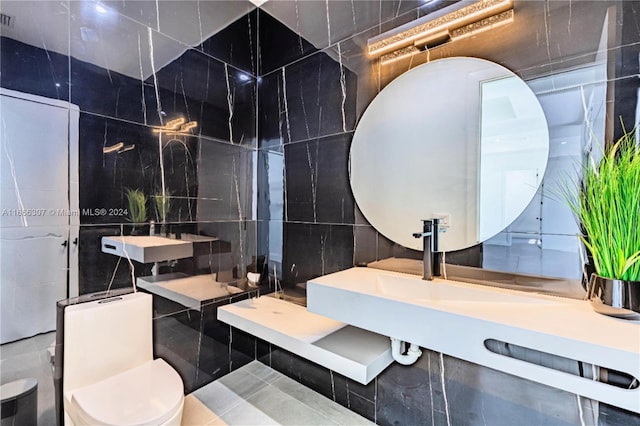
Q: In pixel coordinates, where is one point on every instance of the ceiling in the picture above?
(108, 33)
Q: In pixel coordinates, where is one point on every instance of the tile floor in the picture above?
(258, 395)
(252, 395)
(30, 358)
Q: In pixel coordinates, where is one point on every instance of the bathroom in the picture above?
(274, 92)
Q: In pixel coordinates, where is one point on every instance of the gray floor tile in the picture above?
(217, 397)
(333, 411)
(285, 409)
(229, 391)
(262, 371)
(43, 341)
(10, 350)
(242, 383)
(244, 414)
(27, 361)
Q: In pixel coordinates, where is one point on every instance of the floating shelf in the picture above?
(189, 291)
(147, 249)
(353, 352)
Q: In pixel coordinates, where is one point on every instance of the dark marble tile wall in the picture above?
(129, 69)
(306, 122)
(441, 390)
(627, 68)
(560, 36)
(309, 154)
(308, 107)
(201, 348)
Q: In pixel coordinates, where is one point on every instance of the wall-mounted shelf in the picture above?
(147, 249)
(353, 352)
(189, 291)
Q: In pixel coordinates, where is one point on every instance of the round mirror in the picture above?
(461, 139)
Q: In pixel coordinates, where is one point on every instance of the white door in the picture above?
(35, 212)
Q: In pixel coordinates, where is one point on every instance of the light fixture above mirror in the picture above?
(463, 19)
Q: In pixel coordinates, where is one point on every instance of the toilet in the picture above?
(109, 374)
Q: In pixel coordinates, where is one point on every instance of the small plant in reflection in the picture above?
(163, 205)
(137, 205)
(607, 208)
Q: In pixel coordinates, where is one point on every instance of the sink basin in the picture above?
(147, 249)
(457, 319)
(417, 290)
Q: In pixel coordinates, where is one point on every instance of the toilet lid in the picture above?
(148, 394)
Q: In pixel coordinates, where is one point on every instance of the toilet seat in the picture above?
(149, 394)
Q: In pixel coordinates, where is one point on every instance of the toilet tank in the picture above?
(106, 337)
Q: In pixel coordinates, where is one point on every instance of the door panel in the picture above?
(34, 219)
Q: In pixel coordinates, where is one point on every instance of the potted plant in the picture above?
(163, 205)
(137, 207)
(607, 208)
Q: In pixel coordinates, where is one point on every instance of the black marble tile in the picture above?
(214, 355)
(236, 44)
(364, 407)
(104, 177)
(614, 416)
(197, 87)
(29, 69)
(368, 391)
(99, 271)
(317, 181)
(110, 93)
(279, 45)
(213, 362)
(280, 360)
(176, 339)
(263, 351)
(307, 99)
(211, 326)
(208, 256)
(365, 244)
(471, 256)
(626, 65)
(243, 343)
(225, 181)
(406, 394)
(311, 250)
(163, 306)
(237, 253)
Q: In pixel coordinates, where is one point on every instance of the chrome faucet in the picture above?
(430, 242)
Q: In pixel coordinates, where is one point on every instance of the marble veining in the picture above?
(314, 95)
(155, 79)
(286, 106)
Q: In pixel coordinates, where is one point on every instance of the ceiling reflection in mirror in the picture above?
(461, 139)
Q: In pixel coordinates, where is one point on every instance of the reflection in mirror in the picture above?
(514, 146)
(542, 240)
(462, 139)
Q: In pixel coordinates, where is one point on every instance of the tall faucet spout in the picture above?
(427, 244)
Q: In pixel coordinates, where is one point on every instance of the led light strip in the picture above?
(464, 22)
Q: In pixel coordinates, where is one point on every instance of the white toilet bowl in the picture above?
(110, 376)
(150, 394)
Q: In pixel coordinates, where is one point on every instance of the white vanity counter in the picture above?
(457, 318)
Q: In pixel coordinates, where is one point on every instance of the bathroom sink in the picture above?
(458, 319)
(418, 290)
(147, 249)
